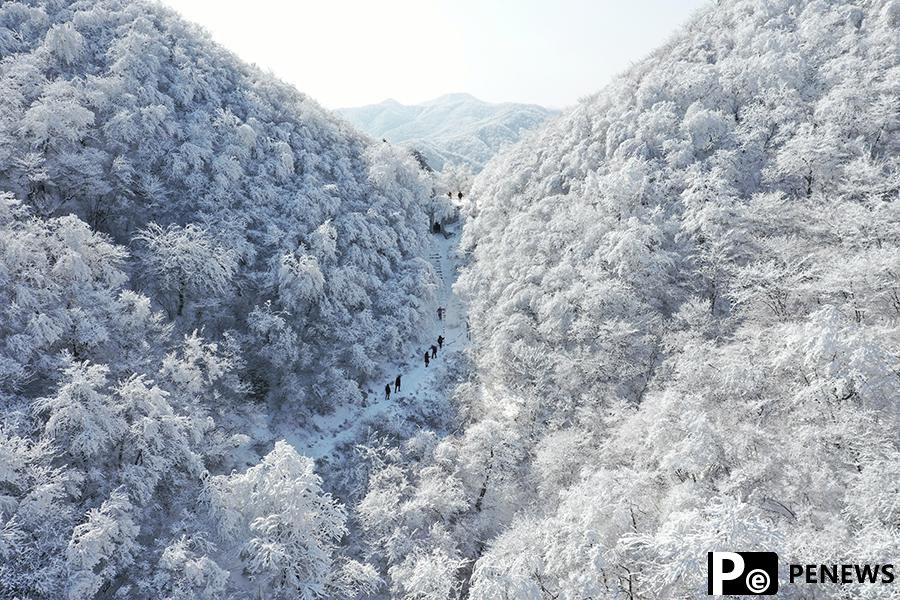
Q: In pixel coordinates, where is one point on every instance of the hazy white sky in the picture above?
(354, 52)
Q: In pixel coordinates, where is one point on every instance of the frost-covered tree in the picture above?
(186, 262)
(300, 279)
(285, 527)
(102, 547)
(185, 572)
(81, 418)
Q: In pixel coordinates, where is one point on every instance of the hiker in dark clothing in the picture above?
(387, 392)
(397, 384)
(459, 195)
(426, 358)
(440, 314)
(440, 341)
(434, 352)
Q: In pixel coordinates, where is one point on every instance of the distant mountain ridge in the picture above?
(456, 128)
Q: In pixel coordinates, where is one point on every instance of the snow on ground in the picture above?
(322, 438)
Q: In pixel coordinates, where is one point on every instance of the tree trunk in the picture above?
(180, 308)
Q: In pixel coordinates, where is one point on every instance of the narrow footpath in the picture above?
(322, 438)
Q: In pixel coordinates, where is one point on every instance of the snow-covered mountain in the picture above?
(455, 128)
(671, 324)
(191, 254)
(683, 297)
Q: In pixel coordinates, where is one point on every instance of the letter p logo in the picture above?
(717, 569)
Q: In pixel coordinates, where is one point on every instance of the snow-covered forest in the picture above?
(670, 322)
(685, 304)
(189, 252)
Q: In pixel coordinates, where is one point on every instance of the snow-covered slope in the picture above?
(455, 128)
(683, 294)
(125, 116)
(186, 247)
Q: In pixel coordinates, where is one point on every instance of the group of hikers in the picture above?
(430, 355)
(434, 350)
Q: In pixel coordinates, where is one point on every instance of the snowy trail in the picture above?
(322, 438)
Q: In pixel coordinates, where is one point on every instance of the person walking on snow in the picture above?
(440, 313)
(433, 351)
(397, 384)
(440, 341)
(426, 359)
(387, 392)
